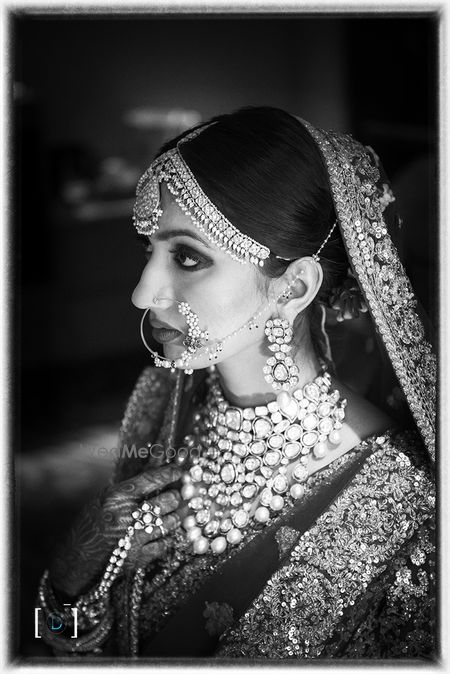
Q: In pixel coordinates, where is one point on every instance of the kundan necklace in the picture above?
(246, 453)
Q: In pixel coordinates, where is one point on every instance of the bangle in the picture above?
(94, 611)
(95, 616)
(86, 643)
(91, 606)
(48, 601)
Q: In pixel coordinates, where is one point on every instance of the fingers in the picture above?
(159, 506)
(169, 523)
(167, 501)
(122, 500)
(152, 551)
(147, 547)
(149, 481)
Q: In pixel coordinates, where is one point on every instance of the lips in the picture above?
(160, 324)
(163, 332)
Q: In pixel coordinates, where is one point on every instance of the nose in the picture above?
(150, 287)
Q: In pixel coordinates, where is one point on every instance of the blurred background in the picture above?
(93, 99)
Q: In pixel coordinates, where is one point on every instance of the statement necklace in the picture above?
(244, 453)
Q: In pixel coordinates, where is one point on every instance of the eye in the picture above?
(186, 257)
(189, 259)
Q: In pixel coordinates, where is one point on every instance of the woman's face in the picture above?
(183, 265)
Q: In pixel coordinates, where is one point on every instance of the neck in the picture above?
(242, 377)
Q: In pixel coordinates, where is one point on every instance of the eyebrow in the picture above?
(170, 233)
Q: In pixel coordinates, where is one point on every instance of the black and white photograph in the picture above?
(224, 293)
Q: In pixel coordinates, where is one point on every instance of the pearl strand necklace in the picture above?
(245, 453)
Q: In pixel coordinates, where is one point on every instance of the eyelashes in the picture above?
(184, 256)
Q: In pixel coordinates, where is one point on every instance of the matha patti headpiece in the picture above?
(171, 169)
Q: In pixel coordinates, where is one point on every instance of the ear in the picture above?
(300, 284)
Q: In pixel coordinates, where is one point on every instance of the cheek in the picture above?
(225, 305)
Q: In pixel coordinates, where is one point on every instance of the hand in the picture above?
(82, 557)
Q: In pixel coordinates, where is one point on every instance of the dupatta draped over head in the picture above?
(362, 200)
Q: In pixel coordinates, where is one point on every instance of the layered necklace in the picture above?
(254, 453)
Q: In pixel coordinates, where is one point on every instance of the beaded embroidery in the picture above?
(285, 537)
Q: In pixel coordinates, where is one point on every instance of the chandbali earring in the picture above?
(280, 370)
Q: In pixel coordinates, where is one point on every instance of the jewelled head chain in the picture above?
(171, 169)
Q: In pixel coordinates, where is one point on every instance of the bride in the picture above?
(270, 509)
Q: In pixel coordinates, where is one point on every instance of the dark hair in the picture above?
(264, 171)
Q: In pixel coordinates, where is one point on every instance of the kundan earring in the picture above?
(280, 370)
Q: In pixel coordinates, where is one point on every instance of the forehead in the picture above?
(173, 219)
(172, 216)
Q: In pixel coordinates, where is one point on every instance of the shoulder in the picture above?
(153, 378)
(400, 453)
(362, 417)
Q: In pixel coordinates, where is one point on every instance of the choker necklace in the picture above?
(245, 453)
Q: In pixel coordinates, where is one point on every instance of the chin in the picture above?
(173, 351)
(200, 363)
